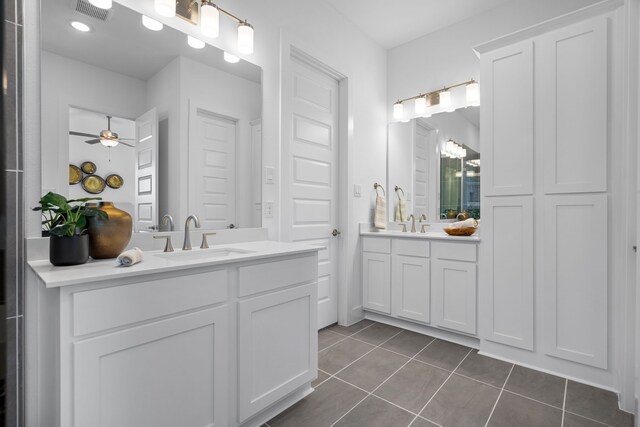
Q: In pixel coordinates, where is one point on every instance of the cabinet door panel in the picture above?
(277, 345)
(376, 279)
(139, 376)
(506, 129)
(411, 288)
(573, 114)
(454, 295)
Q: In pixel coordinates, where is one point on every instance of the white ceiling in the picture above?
(123, 45)
(392, 23)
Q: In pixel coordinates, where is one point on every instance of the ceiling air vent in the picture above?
(86, 8)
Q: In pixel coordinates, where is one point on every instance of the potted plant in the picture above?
(66, 221)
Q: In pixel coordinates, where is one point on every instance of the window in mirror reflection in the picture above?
(460, 185)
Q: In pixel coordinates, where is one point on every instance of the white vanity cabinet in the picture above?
(422, 280)
(453, 284)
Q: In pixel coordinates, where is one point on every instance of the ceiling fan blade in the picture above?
(124, 143)
(83, 134)
(93, 141)
(126, 139)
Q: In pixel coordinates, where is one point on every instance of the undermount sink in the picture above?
(199, 254)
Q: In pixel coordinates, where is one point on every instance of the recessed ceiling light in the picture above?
(80, 26)
(102, 4)
(151, 24)
(231, 58)
(195, 43)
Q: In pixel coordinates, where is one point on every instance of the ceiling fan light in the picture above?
(151, 24)
(245, 38)
(109, 142)
(166, 7)
(209, 19)
(102, 4)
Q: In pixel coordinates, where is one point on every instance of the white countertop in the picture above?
(429, 235)
(102, 270)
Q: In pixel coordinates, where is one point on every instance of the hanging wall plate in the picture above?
(115, 181)
(93, 184)
(88, 167)
(75, 174)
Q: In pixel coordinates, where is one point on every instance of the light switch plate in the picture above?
(357, 190)
(269, 173)
(268, 210)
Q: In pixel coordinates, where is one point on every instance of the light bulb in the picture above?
(420, 105)
(398, 110)
(194, 42)
(231, 58)
(102, 4)
(109, 142)
(445, 100)
(80, 26)
(473, 94)
(209, 19)
(245, 38)
(151, 24)
(165, 7)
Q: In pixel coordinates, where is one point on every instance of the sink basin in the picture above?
(200, 254)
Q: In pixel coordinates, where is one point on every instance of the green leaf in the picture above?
(63, 230)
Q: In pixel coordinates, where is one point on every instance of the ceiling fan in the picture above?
(107, 137)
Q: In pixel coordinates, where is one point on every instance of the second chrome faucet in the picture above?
(186, 246)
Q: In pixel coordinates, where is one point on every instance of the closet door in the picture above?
(506, 133)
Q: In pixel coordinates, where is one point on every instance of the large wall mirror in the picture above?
(188, 122)
(434, 165)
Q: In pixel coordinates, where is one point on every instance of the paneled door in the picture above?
(212, 168)
(146, 164)
(311, 175)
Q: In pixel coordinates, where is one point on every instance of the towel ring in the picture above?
(376, 185)
(398, 188)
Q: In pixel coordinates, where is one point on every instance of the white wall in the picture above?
(445, 57)
(65, 83)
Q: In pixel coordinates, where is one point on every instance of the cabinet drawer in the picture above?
(256, 278)
(455, 251)
(376, 244)
(411, 247)
(106, 308)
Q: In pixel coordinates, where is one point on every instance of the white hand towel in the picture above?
(465, 224)
(380, 217)
(401, 210)
(130, 257)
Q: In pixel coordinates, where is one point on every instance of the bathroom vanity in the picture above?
(225, 336)
(423, 281)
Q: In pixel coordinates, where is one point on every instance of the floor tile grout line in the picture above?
(375, 347)
(564, 400)
(344, 337)
(590, 419)
(495, 404)
(441, 385)
(531, 399)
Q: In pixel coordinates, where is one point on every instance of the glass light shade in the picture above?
(151, 24)
(209, 20)
(194, 42)
(80, 26)
(165, 7)
(421, 105)
(231, 58)
(109, 142)
(245, 38)
(102, 4)
(445, 100)
(473, 94)
(398, 110)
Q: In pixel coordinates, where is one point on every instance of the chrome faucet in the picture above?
(186, 246)
(422, 230)
(413, 223)
(167, 219)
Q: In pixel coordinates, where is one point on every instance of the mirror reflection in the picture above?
(435, 164)
(176, 129)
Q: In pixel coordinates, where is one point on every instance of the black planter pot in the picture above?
(67, 250)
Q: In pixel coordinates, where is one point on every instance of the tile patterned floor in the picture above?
(372, 374)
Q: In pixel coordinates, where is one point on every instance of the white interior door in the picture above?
(212, 168)
(420, 173)
(311, 170)
(146, 209)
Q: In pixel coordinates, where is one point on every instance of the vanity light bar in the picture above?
(440, 97)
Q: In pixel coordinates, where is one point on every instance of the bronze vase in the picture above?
(108, 238)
